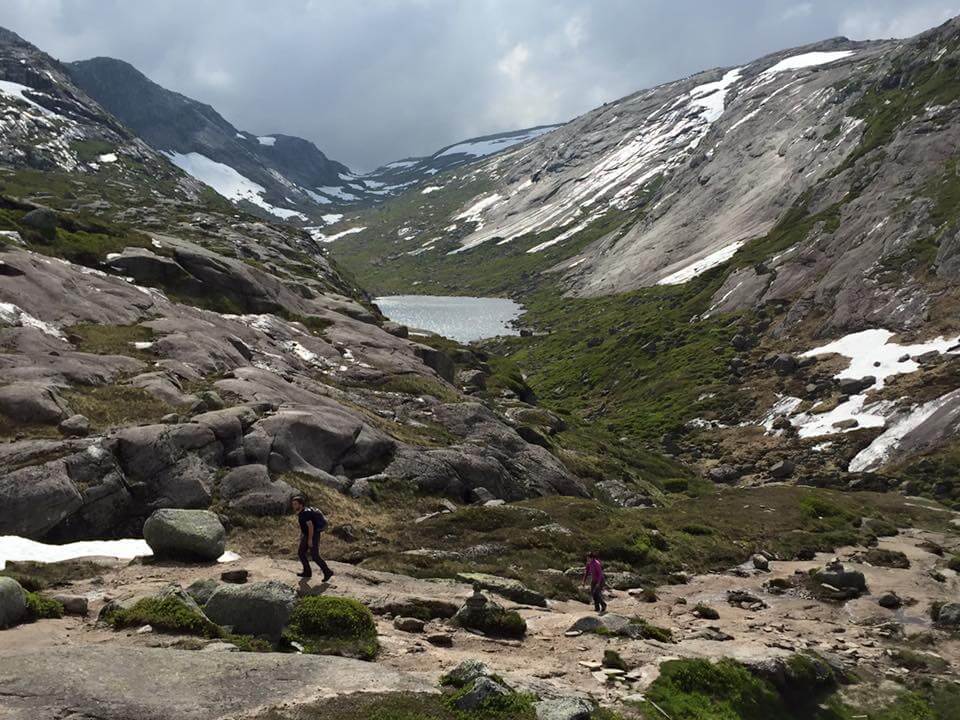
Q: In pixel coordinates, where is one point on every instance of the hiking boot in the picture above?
(327, 575)
(305, 575)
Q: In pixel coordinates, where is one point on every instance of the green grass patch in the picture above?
(334, 626)
(111, 339)
(109, 406)
(165, 614)
(40, 607)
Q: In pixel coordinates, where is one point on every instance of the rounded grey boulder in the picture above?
(259, 609)
(185, 534)
(13, 602)
(565, 708)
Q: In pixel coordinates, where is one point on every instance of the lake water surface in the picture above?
(461, 318)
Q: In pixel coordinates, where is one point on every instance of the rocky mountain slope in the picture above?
(283, 176)
(702, 227)
(168, 355)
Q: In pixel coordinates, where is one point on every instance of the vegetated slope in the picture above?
(708, 224)
(155, 337)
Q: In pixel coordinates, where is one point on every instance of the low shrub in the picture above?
(41, 608)
(169, 614)
(334, 626)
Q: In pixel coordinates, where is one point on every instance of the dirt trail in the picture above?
(548, 661)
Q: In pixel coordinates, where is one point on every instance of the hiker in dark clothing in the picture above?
(312, 523)
(594, 572)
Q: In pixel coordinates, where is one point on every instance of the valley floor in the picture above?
(75, 667)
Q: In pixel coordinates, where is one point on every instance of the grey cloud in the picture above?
(375, 80)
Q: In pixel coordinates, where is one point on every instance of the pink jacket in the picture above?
(594, 571)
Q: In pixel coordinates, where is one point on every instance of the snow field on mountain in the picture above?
(227, 181)
(718, 257)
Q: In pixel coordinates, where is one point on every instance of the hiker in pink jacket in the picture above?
(594, 572)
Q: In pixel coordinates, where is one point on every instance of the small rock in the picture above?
(782, 469)
(409, 624)
(73, 604)
(890, 600)
(238, 577)
(145, 630)
(220, 647)
(75, 426)
(760, 562)
(440, 639)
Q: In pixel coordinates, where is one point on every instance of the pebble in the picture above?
(145, 629)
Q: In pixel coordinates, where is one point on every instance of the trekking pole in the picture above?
(662, 711)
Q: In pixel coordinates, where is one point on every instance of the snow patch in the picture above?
(319, 236)
(431, 189)
(227, 181)
(15, 548)
(107, 158)
(267, 140)
(482, 148)
(699, 267)
(880, 450)
(12, 315)
(811, 59)
(871, 353)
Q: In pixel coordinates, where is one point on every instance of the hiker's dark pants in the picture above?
(596, 592)
(314, 554)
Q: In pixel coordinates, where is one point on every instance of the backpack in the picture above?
(319, 520)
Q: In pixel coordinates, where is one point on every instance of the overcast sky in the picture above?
(374, 80)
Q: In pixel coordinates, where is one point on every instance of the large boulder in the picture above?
(36, 498)
(483, 691)
(505, 587)
(188, 535)
(170, 465)
(318, 440)
(259, 609)
(13, 603)
(249, 489)
(33, 403)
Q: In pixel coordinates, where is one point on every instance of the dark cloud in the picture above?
(373, 80)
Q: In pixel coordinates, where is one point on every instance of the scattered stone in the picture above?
(890, 600)
(847, 424)
(724, 474)
(506, 587)
(745, 600)
(705, 612)
(75, 426)
(73, 604)
(484, 690)
(481, 495)
(409, 624)
(220, 647)
(711, 633)
(784, 364)
(465, 673)
(187, 535)
(567, 708)
(237, 577)
(782, 469)
(760, 562)
(440, 639)
(948, 615)
(480, 614)
(13, 603)
(145, 630)
(852, 386)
